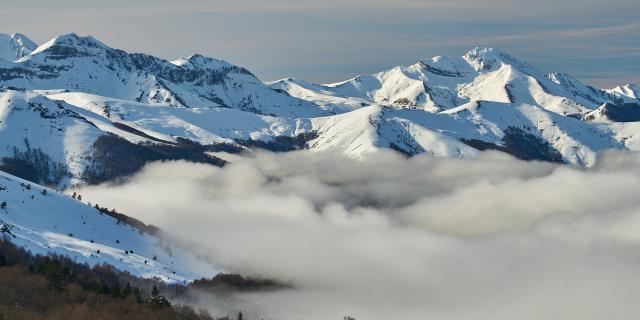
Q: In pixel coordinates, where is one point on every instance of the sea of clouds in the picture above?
(385, 237)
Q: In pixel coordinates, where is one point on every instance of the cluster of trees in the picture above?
(282, 143)
(123, 218)
(54, 287)
(34, 165)
(114, 157)
(236, 282)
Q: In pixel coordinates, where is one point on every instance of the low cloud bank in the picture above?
(394, 238)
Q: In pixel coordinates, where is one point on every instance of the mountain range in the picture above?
(74, 111)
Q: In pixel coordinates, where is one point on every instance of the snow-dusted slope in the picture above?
(44, 221)
(87, 65)
(15, 46)
(58, 144)
(443, 83)
(525, 130)
(48, 134)
(452, 133)
(204, 125)
(361, 131)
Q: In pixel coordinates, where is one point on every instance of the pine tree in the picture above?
(115, 291)
(127, 290)
(240, 317)
(136, 293)
(158, 300)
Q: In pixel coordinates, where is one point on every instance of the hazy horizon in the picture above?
(598, 43)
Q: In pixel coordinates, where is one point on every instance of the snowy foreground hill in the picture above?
(44, 220)
(75, 111)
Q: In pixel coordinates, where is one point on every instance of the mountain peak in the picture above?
(630, 90)
(483, 51)
(199, 61)
(15, 46)
(486, 58)
(70, 40)
(24, 41)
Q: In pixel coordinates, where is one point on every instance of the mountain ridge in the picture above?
(445, 106)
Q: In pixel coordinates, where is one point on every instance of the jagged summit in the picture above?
(15, 46)
(630, 90)
(84, 64)
(198, 61)
(487, 58)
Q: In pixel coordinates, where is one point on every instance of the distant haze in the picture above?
(327, 41)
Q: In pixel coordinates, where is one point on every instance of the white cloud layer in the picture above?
(394, 238)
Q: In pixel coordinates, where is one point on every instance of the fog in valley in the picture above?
(386, 237)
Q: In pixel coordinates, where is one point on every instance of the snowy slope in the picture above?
(32, 126)
(15, 46)
(361, 131)
(442, 83)
(85, 64)
(60, 145)
(43, 221)
(451, 133)
(204, 125)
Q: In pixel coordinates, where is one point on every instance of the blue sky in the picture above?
(331, 40)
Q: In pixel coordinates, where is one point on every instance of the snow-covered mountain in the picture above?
(442, 83)
(87, 65)
(75, 111)
(43, 221)
(15, 46)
